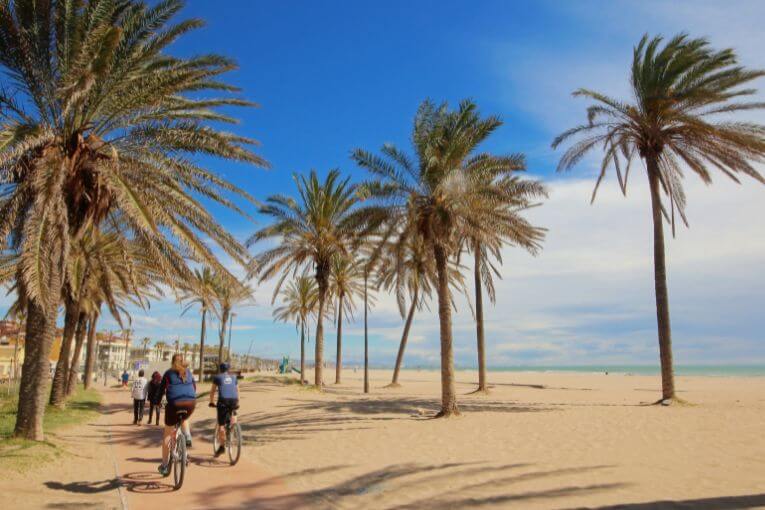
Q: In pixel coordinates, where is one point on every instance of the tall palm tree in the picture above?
(98, 118)
(300, 299)
(102, 267)
(434, 198)
(92, 349)
(311, 232)
(185, 349)
(500, 198)
(145, 341)
(160, 347)
(346, 282)
(412, 275)
(679, 116)
(228, 294)
(200, 291)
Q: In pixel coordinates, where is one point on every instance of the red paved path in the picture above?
(209, 483)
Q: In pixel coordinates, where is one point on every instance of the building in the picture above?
(11, 350)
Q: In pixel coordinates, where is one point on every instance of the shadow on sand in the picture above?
(717, 503)
(469, 487)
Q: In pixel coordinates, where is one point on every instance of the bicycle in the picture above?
(179, 456)
(233, 437)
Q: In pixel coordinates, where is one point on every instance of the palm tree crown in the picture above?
(440, 199)
(323, 224)
(682, 93)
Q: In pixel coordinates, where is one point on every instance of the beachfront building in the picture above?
(11, 350)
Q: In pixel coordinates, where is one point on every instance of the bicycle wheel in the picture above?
(234, 443)
(180, 459)
(216, 442)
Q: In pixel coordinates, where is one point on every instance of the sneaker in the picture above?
(220, 451)
(164, 470)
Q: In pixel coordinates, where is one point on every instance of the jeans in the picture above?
(152, 408)
(138, 406)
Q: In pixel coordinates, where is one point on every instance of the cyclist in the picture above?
(180, 389)
(225, 386)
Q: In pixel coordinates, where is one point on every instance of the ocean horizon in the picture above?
(680, 370)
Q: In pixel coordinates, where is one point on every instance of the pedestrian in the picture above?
(125, 377)
(140, 387)
(154, 395)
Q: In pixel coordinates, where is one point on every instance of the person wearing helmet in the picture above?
(224, 385)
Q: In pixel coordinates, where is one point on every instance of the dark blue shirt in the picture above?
(177, 390)
(226, 384)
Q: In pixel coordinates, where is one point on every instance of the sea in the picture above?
(680, 370)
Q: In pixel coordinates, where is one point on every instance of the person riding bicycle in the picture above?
(225, 386)
(181, 392)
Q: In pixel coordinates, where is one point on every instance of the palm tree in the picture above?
(433, 199)
(680, 91)
(499, 198)
(145, 341)
(228, 294)
(201, 291)
(103, 267)
(160, 347)
(346, 282)
(409, 274)
(91, 351)
(300, 300)
(311, 232)
(185, 350)
(97, 118)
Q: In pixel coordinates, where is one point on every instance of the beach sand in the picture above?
(538, 440)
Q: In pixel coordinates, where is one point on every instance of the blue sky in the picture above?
(332, 76)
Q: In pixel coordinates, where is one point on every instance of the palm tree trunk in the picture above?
(321, 278)
(479, 321)
(339, 357)
(302, 352)
(660, 281)
(366, 336)
(402, 345)
(223, 324)
(448, 392)
(91, 353)
(202, 346)
(35, 375)
(79, 336)
(61, 375)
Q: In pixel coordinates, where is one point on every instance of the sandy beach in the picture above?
(538, 440)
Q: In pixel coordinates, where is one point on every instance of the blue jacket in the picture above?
(177, 390)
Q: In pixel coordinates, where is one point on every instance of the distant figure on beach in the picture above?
(125, 377)
(140, 387)
(154, 394)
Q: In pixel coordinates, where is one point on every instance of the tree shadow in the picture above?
(467, 482)
(85, 487)
(413, 407)
(716, 503)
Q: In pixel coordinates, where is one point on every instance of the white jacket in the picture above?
(140, 388)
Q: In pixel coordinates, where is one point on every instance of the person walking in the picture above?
(125, 377)
(140, 387)
(154, 395)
